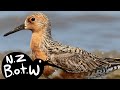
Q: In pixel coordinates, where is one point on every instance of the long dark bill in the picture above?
(21, 27)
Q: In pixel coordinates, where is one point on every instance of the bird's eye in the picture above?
(32, 19)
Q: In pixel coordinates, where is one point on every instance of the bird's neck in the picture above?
(39, 41)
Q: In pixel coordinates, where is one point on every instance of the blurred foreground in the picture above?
(111, 54)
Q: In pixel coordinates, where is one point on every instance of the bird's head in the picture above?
(35, 22)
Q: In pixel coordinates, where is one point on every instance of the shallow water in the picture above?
(89, 30)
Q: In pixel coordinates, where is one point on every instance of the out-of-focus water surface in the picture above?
(89, 30)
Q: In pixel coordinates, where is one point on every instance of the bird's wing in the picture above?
(76, 60)
(76, 63)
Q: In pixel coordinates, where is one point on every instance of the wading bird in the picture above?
(72, 62)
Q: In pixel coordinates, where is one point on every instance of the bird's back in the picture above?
(80, 63)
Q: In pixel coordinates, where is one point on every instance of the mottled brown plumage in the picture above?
(73, 62)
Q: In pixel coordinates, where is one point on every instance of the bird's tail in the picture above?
(111, 65)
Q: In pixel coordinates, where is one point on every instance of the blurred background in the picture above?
(95, 31)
